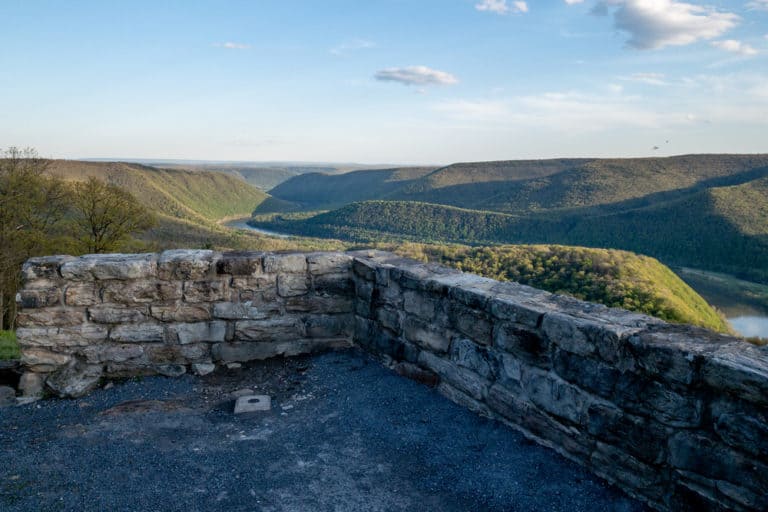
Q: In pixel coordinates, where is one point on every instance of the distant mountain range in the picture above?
(262, 175)
(705, 211)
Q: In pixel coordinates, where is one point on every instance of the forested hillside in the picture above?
(723, 229)
(192, 195)
(614, 278)
(317, 191)
(523, 186)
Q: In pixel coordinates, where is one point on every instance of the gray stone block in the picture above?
(31, 384)
(43, 267)
(211, 332)
(141, 292)
(39, 298)
(323, 263)
(74, 336)
(555, 396)
(138, 333)
(185, 264)
(181, 312)
(273, 329)
(292, 285)
(424, 336)
(203, 369)
(285, 263)
(51, 316)
(740, 369)
(211, 290)
(110, 266)
(253, 403)
(240, 264)
(82, 294)
(104, 314)
(112, 353)
(75, 379)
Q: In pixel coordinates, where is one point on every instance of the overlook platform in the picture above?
(344, 434)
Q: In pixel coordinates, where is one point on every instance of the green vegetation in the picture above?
(614, 278)
(722, 229)
(105, 216)
(704, 211)
(9, 349)
(323, 192)
(190, 206)
(200, 197)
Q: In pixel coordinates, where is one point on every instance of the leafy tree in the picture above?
(31, 206)
(105, 216)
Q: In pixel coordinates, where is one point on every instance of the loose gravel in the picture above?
(343, 434)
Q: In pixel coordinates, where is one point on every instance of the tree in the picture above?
(105, 216)
(32, 205)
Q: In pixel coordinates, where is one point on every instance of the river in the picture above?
(745, 304)
(243, 224)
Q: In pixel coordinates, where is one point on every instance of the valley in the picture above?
(566, 219)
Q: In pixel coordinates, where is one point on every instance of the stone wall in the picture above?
(85, 318)
(675, 415)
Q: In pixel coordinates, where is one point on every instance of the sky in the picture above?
(383, 81)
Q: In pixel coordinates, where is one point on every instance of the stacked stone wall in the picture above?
(85, 318)
(675, 415)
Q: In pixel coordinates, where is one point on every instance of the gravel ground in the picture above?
(344, 434)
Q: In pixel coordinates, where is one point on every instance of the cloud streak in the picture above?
(416, 75)
(350, 46)
(502, 7)
(232, 46)
(734, 46)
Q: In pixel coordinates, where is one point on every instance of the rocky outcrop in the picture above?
(675, 415)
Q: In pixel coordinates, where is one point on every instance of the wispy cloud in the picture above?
(571, 2)
(647, 78)
(232, 46)
(501, 6)
(758, 5)
(653, 24)
(352, 45)
(416, 75)
(734, 46)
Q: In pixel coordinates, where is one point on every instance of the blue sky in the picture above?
(396, 81)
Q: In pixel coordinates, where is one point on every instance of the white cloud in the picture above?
(354, 44)
(416, 75)
(571, 2)
(520, 6)
(232, 46)
(647, 78)
(501, 6)
(758, 5)
(734, 46)
(655, 24)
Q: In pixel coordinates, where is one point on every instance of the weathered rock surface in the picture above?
(75, 379)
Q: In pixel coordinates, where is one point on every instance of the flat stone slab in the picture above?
(252, 403)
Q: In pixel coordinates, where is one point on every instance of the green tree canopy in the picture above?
(104, 216)
(32, 204)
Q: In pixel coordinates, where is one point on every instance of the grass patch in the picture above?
(9, 348)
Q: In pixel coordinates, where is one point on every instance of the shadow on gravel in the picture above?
(343, 434)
